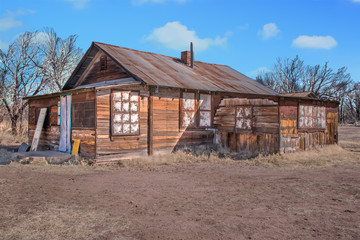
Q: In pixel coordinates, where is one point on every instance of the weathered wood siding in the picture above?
(86, 135)
(248, 126)
(94, 74)
(295, 136)
(109, 147)
(50, 134)
(168, 135)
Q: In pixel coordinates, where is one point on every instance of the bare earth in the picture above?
(183, 201)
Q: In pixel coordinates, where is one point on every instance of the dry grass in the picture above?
(174, 158)
(50, 221)
(331, 155)
(6, 137)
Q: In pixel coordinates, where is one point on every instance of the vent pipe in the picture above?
(192, 55)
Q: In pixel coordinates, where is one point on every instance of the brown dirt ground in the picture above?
(230, 200)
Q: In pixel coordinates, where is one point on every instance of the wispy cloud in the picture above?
(269, 30)
(140, 2)
(78, 4)
(319, 42)
(9, 21)
(357, 1)
(256, 72)
(174, 35)
(3, 45)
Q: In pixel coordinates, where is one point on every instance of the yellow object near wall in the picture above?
(76, 145)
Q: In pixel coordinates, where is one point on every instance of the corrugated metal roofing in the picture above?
(300, 95)
(161, 70)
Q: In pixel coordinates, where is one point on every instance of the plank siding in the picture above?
(294, 138)
(50, 134)
(109, 148)
(94, 74)
(262, 136)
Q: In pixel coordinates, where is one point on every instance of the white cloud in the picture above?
(9, 21)
(269, 30)
(357, 1)
(258, 71)
(79, 4)
(140, 2)
(3, 45)
(174, 35)
(321, 42)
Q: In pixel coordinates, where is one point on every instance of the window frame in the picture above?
(113, 112)
(250, 117)
(182, 111)
(73, 114)
(302, 117)
(203, 110)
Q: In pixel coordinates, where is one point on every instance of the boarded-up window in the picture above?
(312, 117)
(103, 63)
(125, 113)
(83, 114)
(205, 110)
(188, 109)
(244, 117)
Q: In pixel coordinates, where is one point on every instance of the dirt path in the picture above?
(199, 201)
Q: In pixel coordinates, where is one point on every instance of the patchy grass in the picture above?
(330, 155)
(174, 158)
(53, 221)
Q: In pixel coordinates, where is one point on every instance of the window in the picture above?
(83, 114)
(243, 118)
(103, 63)
(205, 110)
(188, 109)
(125, 112)
(312, 117)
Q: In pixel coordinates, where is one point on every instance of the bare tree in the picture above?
(60, 58)
(288, 72)
(20, 75)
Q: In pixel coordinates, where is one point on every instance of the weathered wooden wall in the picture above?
(94, 74)
(248, 126)
(168, 135)
(294, 136)
(49, 138)
(109, 148)
(86, 135)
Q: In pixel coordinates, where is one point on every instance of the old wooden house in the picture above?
(123, 103)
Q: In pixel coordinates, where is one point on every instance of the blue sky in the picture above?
(247, 35)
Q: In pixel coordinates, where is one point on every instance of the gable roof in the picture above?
(160, 70)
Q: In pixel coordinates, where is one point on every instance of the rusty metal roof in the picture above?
(310, 95)
(160, 70)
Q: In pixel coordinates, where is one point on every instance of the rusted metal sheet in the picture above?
(309, 95)
(161, 70)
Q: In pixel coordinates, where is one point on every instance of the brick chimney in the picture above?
(186, 57)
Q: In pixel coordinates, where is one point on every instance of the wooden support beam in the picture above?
(150, 121)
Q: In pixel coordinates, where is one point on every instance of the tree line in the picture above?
(292, 75)
(35, 63)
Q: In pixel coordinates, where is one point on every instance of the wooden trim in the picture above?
(150, 121)
(210, 111)
(96, 110)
